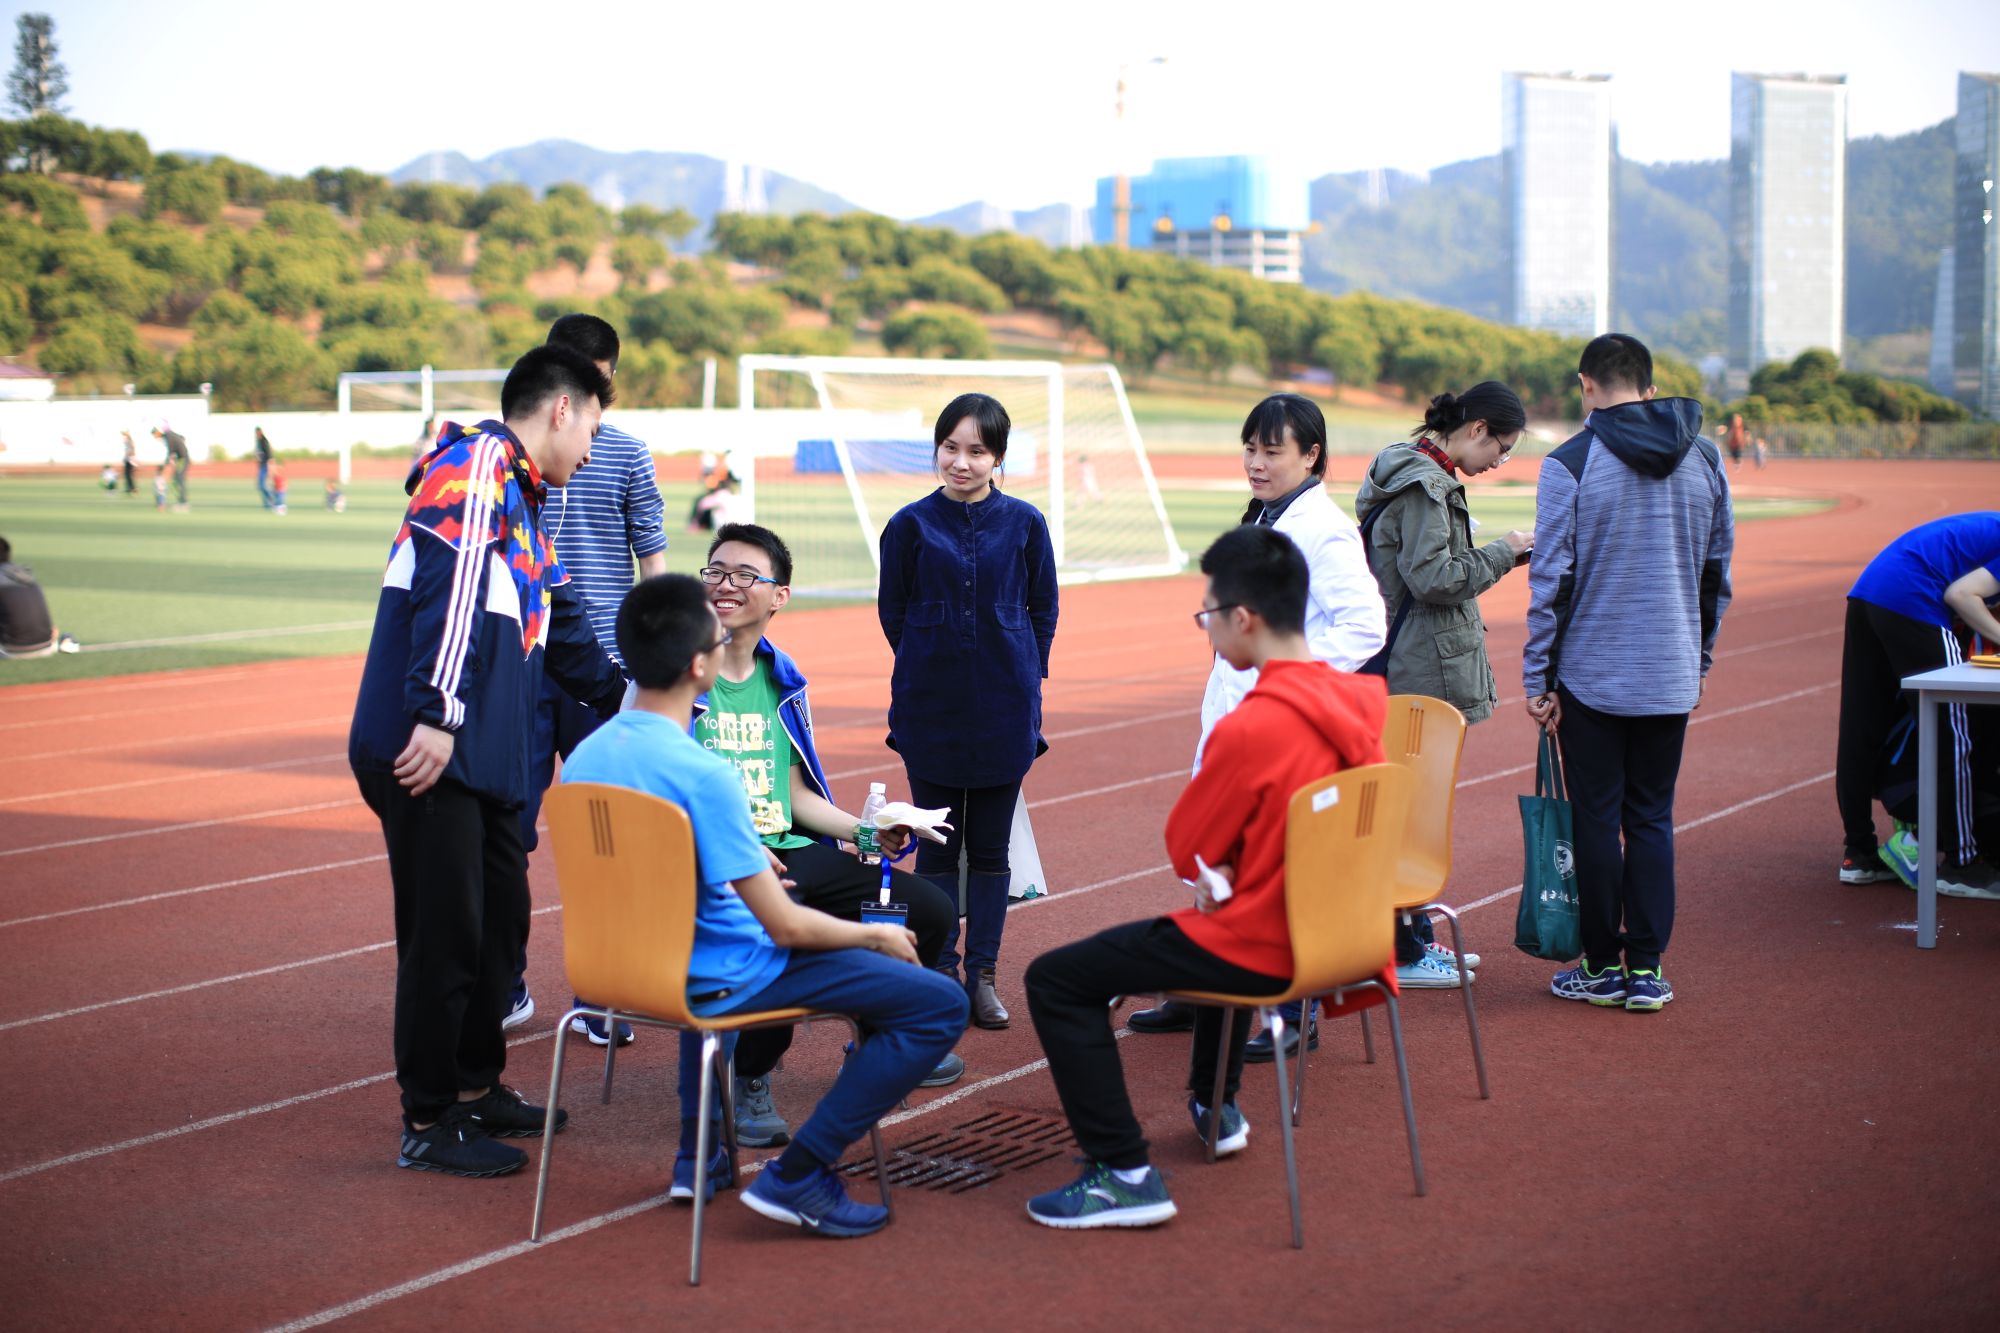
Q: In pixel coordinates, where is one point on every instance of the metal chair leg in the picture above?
(1465, 989)
(1367, 1038)
(610, 1052)
(1306, 1017)
(1403, 1078)
(702, 1147)
(549, 1126)
(728, 1094)
(1277, 1023)
(1221, 1079)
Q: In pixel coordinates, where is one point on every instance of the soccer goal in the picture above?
(828, 479)
(391, 408)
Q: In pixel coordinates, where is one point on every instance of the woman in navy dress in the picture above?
(968, 602)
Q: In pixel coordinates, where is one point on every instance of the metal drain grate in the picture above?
(971, 1154)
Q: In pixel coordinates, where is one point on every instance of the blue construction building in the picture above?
(1235, 212)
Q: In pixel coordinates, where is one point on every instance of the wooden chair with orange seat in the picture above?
(1340, 854)
(625, 868)
(1427, 737)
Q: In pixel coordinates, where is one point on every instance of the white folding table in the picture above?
(1962, 684)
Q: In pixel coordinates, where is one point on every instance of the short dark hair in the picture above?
(1259, 568)
(993, 420)
(545, 371)
(764, 540)
(6, 551)
(1269, 420)
(662, 623)
(588, 334)
(1617, 360)
(1489, 401)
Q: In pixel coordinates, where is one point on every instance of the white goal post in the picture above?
(828, 478)
(387, 408)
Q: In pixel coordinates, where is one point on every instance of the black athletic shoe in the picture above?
(455, 1146)
(505, 1114)
(1258, 1050)
(1170, 1016)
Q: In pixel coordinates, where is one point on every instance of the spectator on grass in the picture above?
(1284, 460)
(1903, 615)
(1300, 722)
(26, 629)
(602, 521)
(1633, 535)
(336, 499)
(264, 493)
(1417, 531)
(755, 715)
(967, 600)
(441, 744)
(754, 947)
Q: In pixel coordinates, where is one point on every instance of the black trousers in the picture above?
(982, 825)
(1880, 648)
(1621, 773)
(461, 892)
(838, 884)
(1069, 993)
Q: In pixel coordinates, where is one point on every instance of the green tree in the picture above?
(635, 255)
(670, 225)
(17, 325)
(255, 363)
(936, 331)
(1352, 353)
(51, 203)
(192, 192)
(432, 201)
(97, 342)
(935, 278)
(39, 80)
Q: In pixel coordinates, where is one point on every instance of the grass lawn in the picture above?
(229, 582)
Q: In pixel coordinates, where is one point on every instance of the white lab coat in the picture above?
(1345, 623)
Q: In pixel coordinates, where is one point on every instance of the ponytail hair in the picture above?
(1489, 401)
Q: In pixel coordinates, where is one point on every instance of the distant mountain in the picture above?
(1443, 239)
(1049, 224)
(665, 180)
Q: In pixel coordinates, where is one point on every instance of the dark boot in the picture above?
(1170, 1016)
(987, 1011)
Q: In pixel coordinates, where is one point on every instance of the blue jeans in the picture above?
(910, 1018)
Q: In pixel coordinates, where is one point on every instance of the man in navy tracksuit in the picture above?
(1633, 534)
(473, 605)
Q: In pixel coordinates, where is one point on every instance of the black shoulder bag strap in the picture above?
(1378, 665)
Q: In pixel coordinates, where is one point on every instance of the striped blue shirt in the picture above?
(605, 519)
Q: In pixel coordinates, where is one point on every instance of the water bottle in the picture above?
(866, 841)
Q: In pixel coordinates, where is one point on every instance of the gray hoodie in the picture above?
(1633, 534)
(1421, 546)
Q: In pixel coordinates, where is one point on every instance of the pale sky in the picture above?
(910, 108)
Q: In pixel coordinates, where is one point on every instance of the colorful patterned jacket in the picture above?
(472, 600)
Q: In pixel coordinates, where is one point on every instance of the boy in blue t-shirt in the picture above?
(754, 948)
(1900, 617)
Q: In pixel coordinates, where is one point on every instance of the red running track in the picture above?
(194, 1005)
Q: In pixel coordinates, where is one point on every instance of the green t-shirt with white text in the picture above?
(741, 726)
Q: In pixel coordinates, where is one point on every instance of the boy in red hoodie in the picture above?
(1303, 721)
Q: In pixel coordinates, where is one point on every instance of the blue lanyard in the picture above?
(888, 868)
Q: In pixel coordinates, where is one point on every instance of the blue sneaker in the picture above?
(520, 1008)
(1646, 991)
(720, 1177)
(817, 1203)
(591, 1026)
(1235, 1136)
(1098, 1198)
(1605, 988)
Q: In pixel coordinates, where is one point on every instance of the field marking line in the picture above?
(1164, 715)
(229, 636)
(227, 1117)
(153, 680)
(198, 888)
(436, 1277)
(181, 828)
(261, 729)
(190, 986)
(201, 776)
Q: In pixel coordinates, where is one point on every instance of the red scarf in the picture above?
(1436, 455)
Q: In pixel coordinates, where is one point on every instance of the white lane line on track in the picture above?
(228, 636)
(272, 970)
(203, 776)
(1054, 736)
(261, 729)
(153, 680)
(182, 828)
(362, 1304)
(198, 888)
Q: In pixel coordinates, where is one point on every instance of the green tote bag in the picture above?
(1546, 926)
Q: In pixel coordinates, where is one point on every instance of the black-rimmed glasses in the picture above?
(713, 576)
(1201, 616)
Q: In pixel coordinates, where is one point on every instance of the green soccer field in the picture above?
(230, 582)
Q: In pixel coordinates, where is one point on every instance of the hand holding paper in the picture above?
(1212, 885)
(923, 823)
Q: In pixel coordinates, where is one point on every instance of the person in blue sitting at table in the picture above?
(967, 600)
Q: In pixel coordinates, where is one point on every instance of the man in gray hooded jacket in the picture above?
(1630, 578)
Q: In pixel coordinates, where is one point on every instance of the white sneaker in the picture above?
(1974, 879)
(1427, 973)
(1448, 958)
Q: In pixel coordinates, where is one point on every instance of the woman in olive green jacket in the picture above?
(1418, 535)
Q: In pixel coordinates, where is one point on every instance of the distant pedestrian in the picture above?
(177, 462)
(1763, 451)
(264, 492)
(1622, 618)
(131, 464)
(336, 499)
(277, 487)
(1734, 438)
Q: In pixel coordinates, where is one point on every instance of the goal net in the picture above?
(827, 478)
(391, 409)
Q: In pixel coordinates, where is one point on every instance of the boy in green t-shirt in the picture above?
(756, 717)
